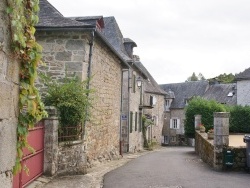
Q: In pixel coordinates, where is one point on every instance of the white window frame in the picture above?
(175, 123)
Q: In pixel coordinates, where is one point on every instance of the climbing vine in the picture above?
(23, 17)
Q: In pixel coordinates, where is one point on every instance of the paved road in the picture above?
(173, 167)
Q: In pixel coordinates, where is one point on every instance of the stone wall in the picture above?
(68, 52)
(204, 148)
(64, 158)
(239, 158)
(103, 130)
(71, 159)
(9, 92)
(63, 53)
(243, 90)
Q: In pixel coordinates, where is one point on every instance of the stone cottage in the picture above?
(243, 87)
(140, 89)
(180, 94)
(9, 94)
(79, 48)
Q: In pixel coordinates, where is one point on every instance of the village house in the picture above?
(9, 95)
(71, 48)
(180, 94)
(243, 87)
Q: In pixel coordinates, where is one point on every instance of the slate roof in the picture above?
(50, 17)
(185, 90)
(93, 20)
(219, 92)
(114, 35)
(245, 75)
(151, 86)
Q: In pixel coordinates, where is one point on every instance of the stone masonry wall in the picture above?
(204, 148)
(103, 130)
(158, 114)
(243, 90)
(135, 136)
(71, 159)
(239, 158)
(9, 92)
(64, 53)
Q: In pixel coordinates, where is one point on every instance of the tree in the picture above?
(223, 78)
(195, 78)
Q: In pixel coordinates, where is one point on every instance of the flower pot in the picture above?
(202, 129)
(210, 136)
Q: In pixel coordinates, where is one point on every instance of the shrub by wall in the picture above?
(203, 107)
(239, 119)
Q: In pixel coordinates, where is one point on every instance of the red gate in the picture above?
(33, 161)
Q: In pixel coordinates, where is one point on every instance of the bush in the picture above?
(204, 108)
(71, 99)
(239, 119)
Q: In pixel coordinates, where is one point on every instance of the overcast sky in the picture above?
(178, 37)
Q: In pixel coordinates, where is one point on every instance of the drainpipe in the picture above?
(128, 120)
(91, 43)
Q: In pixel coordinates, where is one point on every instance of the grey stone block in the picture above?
(75, 45)
(63, 56)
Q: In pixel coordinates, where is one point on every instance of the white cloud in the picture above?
(178, 37)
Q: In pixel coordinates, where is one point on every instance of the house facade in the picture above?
(9, 96)
(179, 96)
(72, 48)
(243, 87)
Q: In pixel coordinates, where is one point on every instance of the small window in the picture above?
(167, 103)
(173, 139)
(133, 83)
(230, 94)
(174, 123)
(140, 122)
(131, 122)
(153, 100)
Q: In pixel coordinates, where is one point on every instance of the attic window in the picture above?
(230, 94)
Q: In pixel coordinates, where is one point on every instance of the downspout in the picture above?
(128, 120)
(91, 43)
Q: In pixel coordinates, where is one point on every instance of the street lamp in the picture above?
(139, 82)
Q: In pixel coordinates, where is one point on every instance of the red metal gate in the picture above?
(33, 161)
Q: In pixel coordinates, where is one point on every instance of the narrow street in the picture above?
(173, 167)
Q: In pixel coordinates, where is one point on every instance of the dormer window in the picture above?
(230, 94)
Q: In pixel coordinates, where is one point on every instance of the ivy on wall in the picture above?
(23, 17)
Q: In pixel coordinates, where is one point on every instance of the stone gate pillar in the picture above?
(197, 121)
(221, 137)
(51, 142)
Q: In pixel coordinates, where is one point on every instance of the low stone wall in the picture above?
(71, 159)
(204, 148)
(239, 158)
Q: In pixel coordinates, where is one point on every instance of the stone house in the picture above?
(136, 98)
(180, 94)
(79, 48)
(9, 96)
(243, 87)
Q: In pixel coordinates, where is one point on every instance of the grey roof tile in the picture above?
(219, 92)
(185, 90)
(50, 17)
(245, 75)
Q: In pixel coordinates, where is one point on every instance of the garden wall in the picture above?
(204, 148)
(239, 158)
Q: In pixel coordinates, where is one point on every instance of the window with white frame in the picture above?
(175, 123)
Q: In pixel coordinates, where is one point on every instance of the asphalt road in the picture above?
(173, 167)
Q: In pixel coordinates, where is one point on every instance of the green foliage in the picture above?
(204, 108)
(145, 123)
(23, 17)
(239, 119)
(71, 99)
(223, 78)
(195, 78)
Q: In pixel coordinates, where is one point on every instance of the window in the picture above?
(155, 119)
(131, 122)
(152, 100)
(140, 122)
(167, 103)
(136, 121)
(174, 123)
(133, 83)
